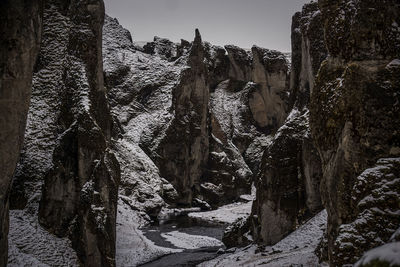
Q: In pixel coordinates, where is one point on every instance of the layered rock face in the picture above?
(20, 31)
(355, 121)
(66, 163)
(251, 82)
(140, 94)
(269, 101)
(183, 153)
(169, 98)
(187, 125)
(290, 171)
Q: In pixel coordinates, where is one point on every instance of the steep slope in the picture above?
(355, 121)
(140, 94)
(20, 31)
(66, 163)
(295, 249)
(290, 171)
(160, 96)
(187, 126)
(182, 155)
(246, 107)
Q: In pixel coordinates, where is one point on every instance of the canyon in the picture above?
(109, 146)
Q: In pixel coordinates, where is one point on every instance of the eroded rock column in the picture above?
(184, 151)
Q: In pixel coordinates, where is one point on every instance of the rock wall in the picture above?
(290, 171)
(20, 31)
(183, 153)
(140, 95)
(269, 69)
(66, 163)
(172, 98)
(354, 118)
(247, 105)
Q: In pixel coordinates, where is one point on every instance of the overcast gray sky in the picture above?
(265, 23)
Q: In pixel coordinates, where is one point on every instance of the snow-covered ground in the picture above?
(224, 215)
(187, 241)
(31, 245)
(296, 249)
(132, 247)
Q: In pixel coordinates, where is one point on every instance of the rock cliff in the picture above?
(20, 31)
(290, 171)
(354, 119)
(67, 174)
(183, 152)
(189, 130)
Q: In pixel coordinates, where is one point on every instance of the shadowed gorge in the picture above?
(116, 151)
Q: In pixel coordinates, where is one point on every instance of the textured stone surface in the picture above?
(238, 234)
(140, 96)
(66, 163)
(20, 31)
(376, 202)
(354, 112)
(268, 103)
(290, 171)
(183, 153)
(360, 30)
(269, 69)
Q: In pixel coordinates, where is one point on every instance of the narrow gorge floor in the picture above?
(193, 236)
(194, 239)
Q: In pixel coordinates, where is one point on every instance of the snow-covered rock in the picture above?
(296, 248)
(354, 117)
(290, 171)
(66, 162)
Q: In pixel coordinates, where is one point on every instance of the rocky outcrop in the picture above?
(183, 153)
(375, 196)
(238, 233)
(140, 94)
(20, 31)
(217, 64)
(159, 95)
(354, 118)
(290, 171)
(66, 163)
(268, 103)
(269, 69)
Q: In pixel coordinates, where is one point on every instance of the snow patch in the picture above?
(186, 241)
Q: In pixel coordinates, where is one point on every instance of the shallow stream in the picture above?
(198, 241)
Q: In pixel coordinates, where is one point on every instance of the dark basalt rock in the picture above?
(375, 197)
(238, 234)
(354, 111)
(217, 64)
(20, 31)
(290, 171)
(183, 153)
(288, 185)
(165, 48)
(227, 177)
(68, 134)
(360, 30)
